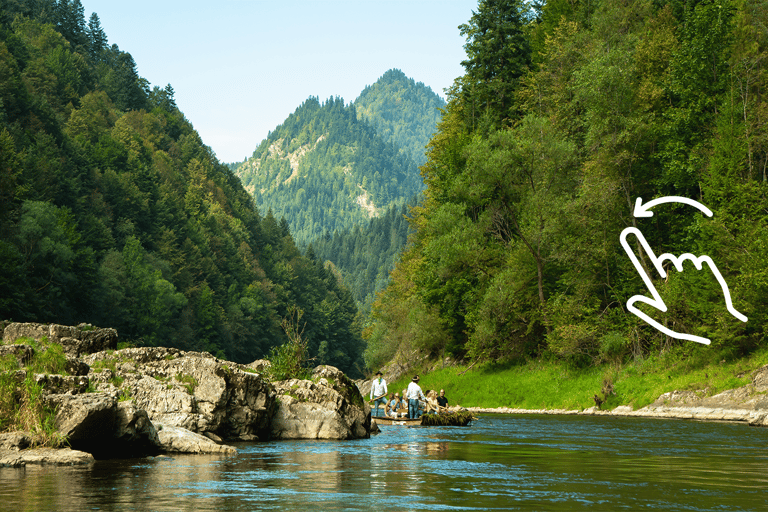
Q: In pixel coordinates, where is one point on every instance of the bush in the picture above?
(289, 359)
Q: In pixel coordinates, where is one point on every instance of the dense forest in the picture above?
(365, 255)
(403, 112)
(568, 111)
(114, 212)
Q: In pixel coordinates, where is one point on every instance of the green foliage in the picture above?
(404, 113)
(363, 257)
(21, 404)
(554, 384)
(51, 359)
(534, 171)
(324, 169)
(114, 212)
(341, 176)
(289, 360)
(188, 381)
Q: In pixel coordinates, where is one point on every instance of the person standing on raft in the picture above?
(378, 393)
(414, 394)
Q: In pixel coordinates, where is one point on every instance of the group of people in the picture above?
(413, 403)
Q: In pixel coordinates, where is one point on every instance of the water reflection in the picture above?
(502, 462)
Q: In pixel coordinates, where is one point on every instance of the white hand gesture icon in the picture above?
(698, 261)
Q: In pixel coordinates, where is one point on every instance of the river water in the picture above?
(541, 463)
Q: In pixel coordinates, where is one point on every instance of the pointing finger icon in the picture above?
(656, 301)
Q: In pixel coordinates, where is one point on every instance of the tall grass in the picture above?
(22, 406)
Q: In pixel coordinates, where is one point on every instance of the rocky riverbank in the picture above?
(747, 404)
(148, 401)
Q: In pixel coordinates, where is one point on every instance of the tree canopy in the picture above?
(113, 211)
(568, 112)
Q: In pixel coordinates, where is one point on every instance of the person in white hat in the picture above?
(378, 393)
(414, 394)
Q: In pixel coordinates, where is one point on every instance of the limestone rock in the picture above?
(84, 417)
(260, 365)
(77, 341)
(192, 390)
(327, 407)
(134, 431)
(15, 441)
(180, 440)
(62, 384)
(760, 380)
(87, 420)
(44, 456)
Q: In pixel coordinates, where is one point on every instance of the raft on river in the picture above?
(454, 419)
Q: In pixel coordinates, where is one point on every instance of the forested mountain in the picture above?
(323, 169)
(569, 111)
(340, 175)
(114, 212)
(403, 112)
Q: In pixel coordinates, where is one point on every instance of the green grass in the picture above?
(21, 404)
(556, 385)
(188, 382)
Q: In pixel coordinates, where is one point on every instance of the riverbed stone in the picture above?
(180, 440)
(18, 440)
(44, 457)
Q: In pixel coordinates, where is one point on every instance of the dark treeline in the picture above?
(567, 112)
(114, 212)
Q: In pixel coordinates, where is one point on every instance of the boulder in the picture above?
(180, 440)
(87, 420)
(327, 407)
(99, 424)
(192, 390)
(62, 384)
(14, 331)
(260, 365)
(15, 441)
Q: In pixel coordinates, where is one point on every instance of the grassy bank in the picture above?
(556, 385)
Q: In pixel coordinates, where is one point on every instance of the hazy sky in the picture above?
(239, 67)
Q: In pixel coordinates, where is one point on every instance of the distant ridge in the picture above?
(330, 167)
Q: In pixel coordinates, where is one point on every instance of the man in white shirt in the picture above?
(378, 393)
(414, 393)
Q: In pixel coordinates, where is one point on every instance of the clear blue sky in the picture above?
(239, 67)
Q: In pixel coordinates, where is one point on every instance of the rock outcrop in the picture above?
(76, 340)
(16, 450)
(191, 390)
(329, 406)
(144, 401)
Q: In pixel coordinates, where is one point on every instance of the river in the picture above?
(501, 462)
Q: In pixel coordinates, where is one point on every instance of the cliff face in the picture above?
(143, 401)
